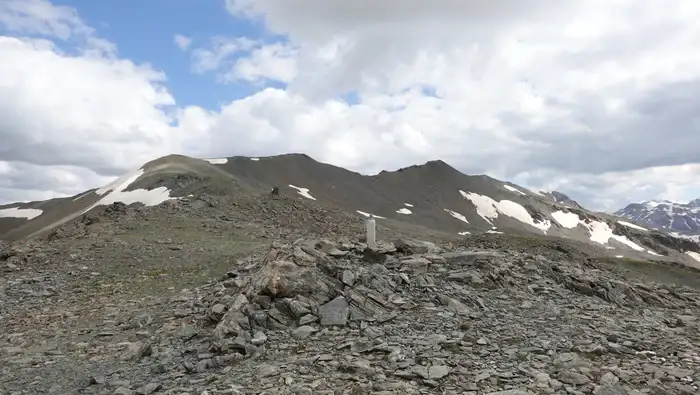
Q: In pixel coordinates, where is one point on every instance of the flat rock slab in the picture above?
(335, 312)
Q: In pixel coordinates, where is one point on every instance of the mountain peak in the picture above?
(562, 198)
(694, 203)
(666, 215)
(433, 195)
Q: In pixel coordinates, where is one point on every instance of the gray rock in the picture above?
(679, 372)
(303, 332)
(453, 304)
(411, 246)
(138, 350)
(307, 319)
(371, 255)
(218, 309)
(609, 379)
(610, 389)
(259, 338)
(268, 371)
(438, 371)
(511, 392)
(570, 377)
(149, 388)
(334, 252)
(348, 278)
(416, 264)
(335, 312)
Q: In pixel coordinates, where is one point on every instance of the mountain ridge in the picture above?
(193, 276)
(433, 196)
(682, 219)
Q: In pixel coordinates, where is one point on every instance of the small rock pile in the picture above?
(406, 317)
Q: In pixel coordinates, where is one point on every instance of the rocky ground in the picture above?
(200, 297)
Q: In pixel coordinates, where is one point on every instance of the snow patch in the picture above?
(494, 232)
(368, 214)
(303, 192)
(630, 225)
(16, 212)
(567, 220)
(601, 233)
(152, 197)
(408, 205)
(694, 255)
(120, 183)
(255, 159)
(115, 192)
(464, 233)
(489, 209)
(652, 252)
(653, 203)
(404, 211)
(457, 215)
(217, 161)
(695, 238)
(485, 206)
(513, 189)
(619, 256)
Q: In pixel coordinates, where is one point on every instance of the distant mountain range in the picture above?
(432, 196)
(681, 219)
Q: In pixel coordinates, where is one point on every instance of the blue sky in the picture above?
(143, 32)
(521, 92)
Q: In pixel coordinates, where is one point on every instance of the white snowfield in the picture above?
(513, 189)
(631, 225)
(457, 215)
(567, 220)
(408, 204)
(404, 211)
(601, 232)
(694, 255)
(303, 192)
(255, 159)
(16, 212)
(489, 210)
(115, 192)
(217, 161)
(369, 214)
(695, 238)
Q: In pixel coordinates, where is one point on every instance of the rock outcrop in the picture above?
(409, 316)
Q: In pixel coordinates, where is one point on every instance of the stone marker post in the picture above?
(371, 231)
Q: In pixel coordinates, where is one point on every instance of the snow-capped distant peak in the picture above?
(656, 203)
(683, 218)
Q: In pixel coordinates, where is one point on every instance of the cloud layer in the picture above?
(593, 98)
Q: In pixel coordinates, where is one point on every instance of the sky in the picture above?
(599, 99)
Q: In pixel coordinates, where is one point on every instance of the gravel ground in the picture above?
(263, 295)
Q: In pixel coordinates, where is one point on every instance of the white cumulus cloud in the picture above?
(183, 42)
(594, 98)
